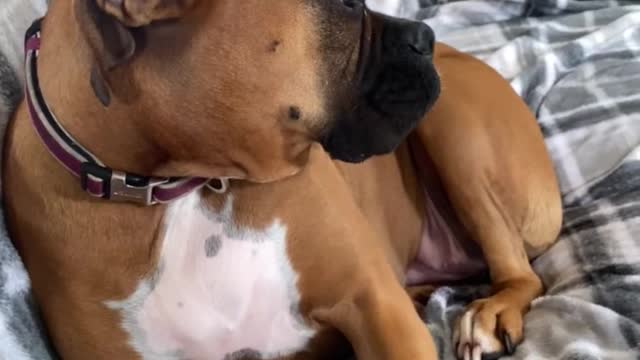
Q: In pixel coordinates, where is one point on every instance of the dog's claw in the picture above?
(508, 344)
(492, 356)
(487, 329)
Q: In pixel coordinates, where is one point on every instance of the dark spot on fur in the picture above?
(155, 277)
(295, 113)
(273, 47)
(212, 246)
(180, 304)
(244, 354)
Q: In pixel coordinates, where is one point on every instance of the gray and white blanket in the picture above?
(577, 64)
(21, 334)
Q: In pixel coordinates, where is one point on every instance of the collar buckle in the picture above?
(123, 192)
(118, 186)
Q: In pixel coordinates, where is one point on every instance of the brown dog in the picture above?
(272, 269)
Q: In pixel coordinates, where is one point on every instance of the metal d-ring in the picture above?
(223, 188)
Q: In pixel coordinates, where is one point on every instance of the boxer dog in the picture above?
(187, 180)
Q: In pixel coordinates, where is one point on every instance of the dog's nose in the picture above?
(420, 38)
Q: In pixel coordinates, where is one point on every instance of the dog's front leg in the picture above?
(381, 323)
(490, 155)
(502, 209)
(493, 326)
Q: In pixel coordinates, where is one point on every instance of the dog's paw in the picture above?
(488, 329)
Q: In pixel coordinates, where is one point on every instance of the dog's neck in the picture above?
(113, 134)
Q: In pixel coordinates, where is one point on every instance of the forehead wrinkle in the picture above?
(246, 68)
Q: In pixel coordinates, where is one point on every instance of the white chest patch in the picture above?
(221, 292)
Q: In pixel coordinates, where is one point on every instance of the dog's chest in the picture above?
(220, 291)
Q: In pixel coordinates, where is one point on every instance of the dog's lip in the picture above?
(366, 38)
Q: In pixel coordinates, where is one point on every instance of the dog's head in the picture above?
(243, 88)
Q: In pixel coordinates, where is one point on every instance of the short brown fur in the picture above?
(365, 220)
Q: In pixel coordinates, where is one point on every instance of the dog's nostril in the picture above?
(422, 41)
(417, 49)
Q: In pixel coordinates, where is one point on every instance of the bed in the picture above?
(576, 63)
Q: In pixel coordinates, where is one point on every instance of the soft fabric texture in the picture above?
(21, 334)
(577, 64)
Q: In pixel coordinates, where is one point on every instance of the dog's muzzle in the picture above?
(397, 84)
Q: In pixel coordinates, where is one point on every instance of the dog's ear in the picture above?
(107, 26)
(111, 42)
(137, 13)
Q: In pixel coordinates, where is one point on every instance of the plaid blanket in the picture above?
(21, 333)
(577, 65)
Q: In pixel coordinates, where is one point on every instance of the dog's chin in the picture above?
(386, 110)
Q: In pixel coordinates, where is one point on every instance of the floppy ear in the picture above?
(136, 13)
(107, 25)
(111, 42)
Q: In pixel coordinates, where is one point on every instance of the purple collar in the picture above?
(97, 179)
